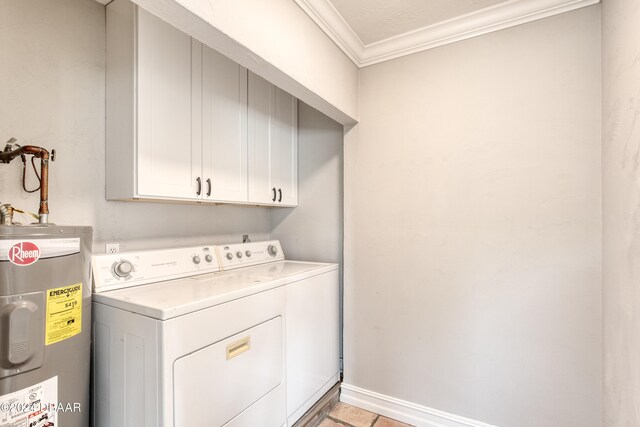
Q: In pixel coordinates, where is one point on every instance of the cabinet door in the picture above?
(284, 148)
(261, 108)
(169, 158)
(224, 127)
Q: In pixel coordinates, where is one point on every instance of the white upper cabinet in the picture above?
(284, 151)
(169, 159)
(186, 123)
(261, 107)
(154, 146)
(273, 144)
(224, 127)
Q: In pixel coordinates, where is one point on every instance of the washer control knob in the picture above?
(239, 254)
(208, 258)
(196, 259)
(248, 254)
(123, 268)
(229, 256)
(273, 250)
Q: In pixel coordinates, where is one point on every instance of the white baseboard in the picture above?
(402, 410)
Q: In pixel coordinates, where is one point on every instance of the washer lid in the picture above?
(169, 299)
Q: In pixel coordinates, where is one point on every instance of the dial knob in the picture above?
(208, 258)
(196, 259)
(229, 256)
(123, 268)
(248, 253)
(273, 250)
(239, 254)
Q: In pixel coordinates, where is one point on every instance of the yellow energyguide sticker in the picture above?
(64, 313)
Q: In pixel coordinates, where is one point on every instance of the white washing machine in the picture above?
(195, 336)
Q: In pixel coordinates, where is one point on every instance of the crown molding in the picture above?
(325, 15)
(483, 21)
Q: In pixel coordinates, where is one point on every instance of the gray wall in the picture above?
(621, 211)
(52, 91)
(472, 227)
(313, 230)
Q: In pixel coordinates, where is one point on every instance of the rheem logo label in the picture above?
(24, 253)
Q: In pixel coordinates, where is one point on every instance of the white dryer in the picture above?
(312, 317)
(180, 342)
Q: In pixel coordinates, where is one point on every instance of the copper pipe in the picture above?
(7, 156)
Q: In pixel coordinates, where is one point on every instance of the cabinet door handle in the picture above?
(199, 181)
(279, 194)
(208, 187)
(274, 194)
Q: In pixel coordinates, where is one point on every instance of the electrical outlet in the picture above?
(112, 248)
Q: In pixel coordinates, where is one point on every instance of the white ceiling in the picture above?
(373, 31)
(376, 20)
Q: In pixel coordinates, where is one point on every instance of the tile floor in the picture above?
(343, 415)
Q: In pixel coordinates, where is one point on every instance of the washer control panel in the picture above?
(125, 269)
(245, 254)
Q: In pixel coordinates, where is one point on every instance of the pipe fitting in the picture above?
(8, 154)
(6, 214)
